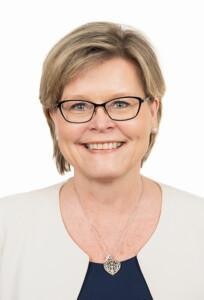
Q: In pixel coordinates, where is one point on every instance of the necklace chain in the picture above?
(111, 266)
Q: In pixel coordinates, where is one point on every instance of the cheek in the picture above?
(137, 129)
(67, 132)
(66, 139)
(144, 125)
(65, 135)
(68, 136)
(138, 133)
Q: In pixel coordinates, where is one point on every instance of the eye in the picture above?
(118, 104)
(78, 106)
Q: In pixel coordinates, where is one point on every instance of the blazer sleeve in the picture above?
(1, 227)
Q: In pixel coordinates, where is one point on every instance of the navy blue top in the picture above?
(128, 283)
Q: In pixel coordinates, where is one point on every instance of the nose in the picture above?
(100, 120)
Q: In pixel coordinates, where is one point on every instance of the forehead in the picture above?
(114, 77)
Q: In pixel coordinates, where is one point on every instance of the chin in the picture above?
(104, 175)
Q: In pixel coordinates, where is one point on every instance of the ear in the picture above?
(154, 107)
(53, 115)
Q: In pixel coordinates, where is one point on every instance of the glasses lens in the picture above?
(123, 108)
(77, 111)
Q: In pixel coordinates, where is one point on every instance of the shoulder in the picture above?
(22, 206)
(182, 206)
(180, 197)
(29, 198)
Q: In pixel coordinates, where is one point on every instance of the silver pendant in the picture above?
(111, 266)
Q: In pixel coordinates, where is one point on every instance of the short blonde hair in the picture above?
(86, 46)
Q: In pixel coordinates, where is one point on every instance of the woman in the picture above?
(108, 232)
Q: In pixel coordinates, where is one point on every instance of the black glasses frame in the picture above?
(59, 105)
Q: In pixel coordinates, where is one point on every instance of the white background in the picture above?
(27, 32)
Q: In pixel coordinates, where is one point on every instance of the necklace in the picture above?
(111, 265)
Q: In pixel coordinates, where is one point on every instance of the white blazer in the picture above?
(40, 261)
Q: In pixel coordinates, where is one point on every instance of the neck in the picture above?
(115, 197)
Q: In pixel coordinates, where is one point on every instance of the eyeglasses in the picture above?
(118, 109)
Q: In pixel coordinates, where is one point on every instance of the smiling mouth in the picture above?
(104, 146)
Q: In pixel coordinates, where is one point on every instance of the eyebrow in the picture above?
(112, 96)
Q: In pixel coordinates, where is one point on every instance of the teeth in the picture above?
(104, 146)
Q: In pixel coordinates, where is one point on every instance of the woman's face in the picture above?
(110, 79)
